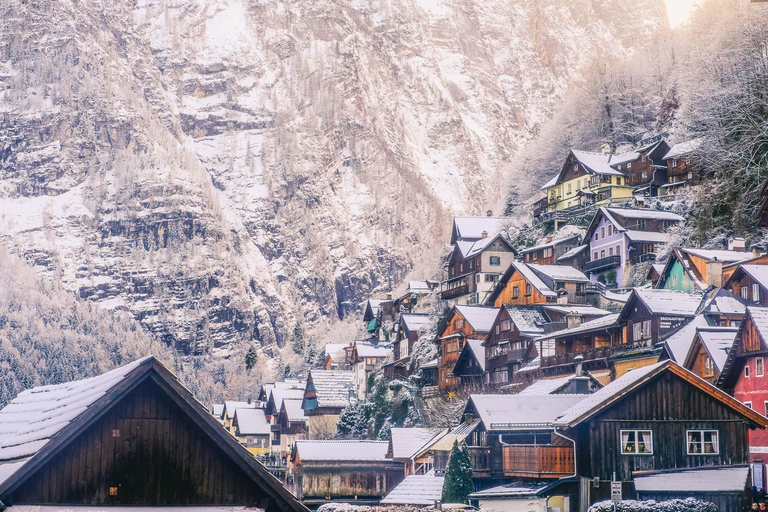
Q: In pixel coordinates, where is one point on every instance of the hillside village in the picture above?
(557, 375)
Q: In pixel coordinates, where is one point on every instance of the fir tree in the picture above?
(310, 352)
(297, 339)
(251, 357)
(458, 476)
(353, 421)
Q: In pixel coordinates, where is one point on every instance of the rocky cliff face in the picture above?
(222, 167)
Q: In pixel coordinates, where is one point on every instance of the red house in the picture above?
(744, 376)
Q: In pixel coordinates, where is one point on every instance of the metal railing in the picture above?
(599, 264)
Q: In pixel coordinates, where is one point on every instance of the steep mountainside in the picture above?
(222, 167)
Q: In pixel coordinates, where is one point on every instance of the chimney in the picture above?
(737, 244)
(715, 273)
(484, 234)
(757, 251)
(389, 296)
(489, 213)
(579, 384)
(562, 297)
(579, 362)
(549, 239)
(572, 320)
(606, 149)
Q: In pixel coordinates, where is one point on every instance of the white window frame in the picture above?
(702, 432)
(748, 403)
(745, 292)
(746, 370)
(759, 368)
(636, 442)
(755, 292)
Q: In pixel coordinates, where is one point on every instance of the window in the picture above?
(674, 280)
(759, 367)
(491, 278)
(755, 292)
(451, 346)
(602, 254)
(500, 376)
(641, 330)
(748, 404)
(645, 175)
(515, 292)
(506, 325)
(636, 442)
(618, 250)
(765, 408)
(744, 292)
(595, 256)
(569, 187)
(497, 329)
(641, 224)
(746, 371)
(708, 369)
(528, 289)
(629, 165)
(477, 278)
(458, 323)
(602, 232)
(495, 261)
(610, 229)
(674, 162)
(596, 237)
(703, 442)
(610, 251)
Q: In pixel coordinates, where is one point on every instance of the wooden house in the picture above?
(470, 367)
(463, 433)
(463, 323)
(744, 376)
(290, 425)
(280, 391)
(576, 257)
(326, 394)
(649, 314)
(654, 274)
(132, 437)
(750, 282)
(682, 170)
(253, 430)
(509, 343)
(758, 258)
(335, 356)
(327, 470)
(411, 325)
(472, 229)
(407, 446)
(709, 351)
(660, 421)
(697, 269)
(474, 268)
(413, 294)
(644, 166)
(229, 410)
(619, 237)
(368, 356)
(548, 252)
(529, 284)
(378, 313)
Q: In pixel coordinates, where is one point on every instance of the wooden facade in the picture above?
(515, 289)
(549, 252)
(145, 443)
(507, 348)
(474, 273)
(744, 285)
(451, 339)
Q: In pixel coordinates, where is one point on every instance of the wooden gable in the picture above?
(506, 293)
(571, 169)
(700, 362)
(148, 443)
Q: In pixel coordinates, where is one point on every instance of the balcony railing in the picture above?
(588, 355)
(649, 256)
(455, 287)
(602, 263)
(538, 461)
(481, 460)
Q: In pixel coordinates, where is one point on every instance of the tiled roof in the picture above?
(406, 442)
(707, 480)
(251, 422)
(338, 450)
(458, 434)
(416, 490)
(529, 320)
(333, 387)
(669, 302)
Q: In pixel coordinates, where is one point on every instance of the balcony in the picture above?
(540, 206)
(516, 354)
(588, 355)
(456, 287)
(602, 263)
(481, 460)
(649, 256)
(538, 461)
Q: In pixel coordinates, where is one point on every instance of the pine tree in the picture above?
(251, 357)
(458, 476)
(297, 339)
(310, 352)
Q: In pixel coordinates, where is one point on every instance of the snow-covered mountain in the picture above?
(221, 168)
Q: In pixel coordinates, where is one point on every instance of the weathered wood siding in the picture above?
(506, 295)
(147, 452)
(348, 480)
(448, 358)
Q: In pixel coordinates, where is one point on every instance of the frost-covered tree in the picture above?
(251, 357)
(353, 421)
(458, 476)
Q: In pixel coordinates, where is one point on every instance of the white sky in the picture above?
(679, 11)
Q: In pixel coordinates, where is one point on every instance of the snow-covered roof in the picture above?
(231, 406)
(559, 272)
(341, 450)
(575, 308)
(415, 321)
(293, 410)
(683, 148)
(529, 320)
(725, 302)
(217, 410)
(476, 346)
(533, 278)
(416, 490)
(37, 415)
(337, 351)
(458, 434)
(604, 395)
(251, 422)
(598, 163)
(332, 387)
(366, 349)
(759, 318)
(546, 386)
(551, 183)
(278, 395)
(622, 158)
(469, 248)
(531, 366)
(679, 343)
(597, 324)
(481, 318)
(471, 228)
(375, 304)
(407, 442)
(718, 341)
(647, 236)
(718, 254)
(418, 287)
(757, 272)
(552, 243)
(514, 489)
(430, 364)
(644, 213)
(709, 480)
(670, 302)
(573, 252)
(513, 412)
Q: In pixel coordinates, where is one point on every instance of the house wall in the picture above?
(660, 324)
(606, 246)
(743, 279)
(150, 452)
(668, 406)
(754, 389)
(346, 480)
(622, 366)
(564, 195)
(698, 364)
(678, 279)
(447, 358)
(506, 296)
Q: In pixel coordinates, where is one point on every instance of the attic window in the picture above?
(115, 432)
(113, 491)
(458, 323)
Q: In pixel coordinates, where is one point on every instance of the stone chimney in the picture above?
(573, 319)
(715, 273)
(562, 297)
(579, 384)
(737, 244)
(489, 213)
(484, 234)
(578, 361)
(757, 251)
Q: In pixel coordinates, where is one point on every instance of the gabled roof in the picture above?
(231, 406)
(678, 344)
(664, 302)
(279, 394)
(328, 388)
(529, 320)
(418, 287)
(598, 324)
(627, 383)
(758, 317)
(722, 301)
(573, 252)
(293, 410)
(520, 412)
(41, 422)
(367, 349)
(759, 273)
(532, 277)
(682, 254)
(479, 317)
(614, 215)
(718, 342)
(415, 321)
(516, 489)
(473, 349)
(340, 450)
(471, 228)
(444, 442)
(217, 410)
(469, 248)
(407, 442)
(552, 386)
(597, 163)
(579, 309)
(551, 273)
(416, 490)
(683, 148)
(251, 422)
(336, 351)
(553, 243)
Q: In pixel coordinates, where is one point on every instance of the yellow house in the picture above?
(589, 178)
(252, 430)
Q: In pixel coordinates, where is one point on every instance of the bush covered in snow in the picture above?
(686, 505)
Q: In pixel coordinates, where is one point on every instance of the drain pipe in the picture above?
(573, 442)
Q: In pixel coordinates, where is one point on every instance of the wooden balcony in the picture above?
(456, 287)
(538, 461)
(481, 460)
(602, 263)
(588, 355)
